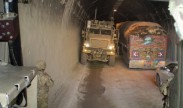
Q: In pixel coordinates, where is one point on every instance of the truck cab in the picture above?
(99, 42)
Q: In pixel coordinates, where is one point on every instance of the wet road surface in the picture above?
(118, 87)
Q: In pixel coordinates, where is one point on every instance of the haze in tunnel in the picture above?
(51, 30)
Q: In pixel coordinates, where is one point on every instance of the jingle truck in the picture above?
(142, 44)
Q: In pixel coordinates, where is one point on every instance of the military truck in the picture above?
(99, 42)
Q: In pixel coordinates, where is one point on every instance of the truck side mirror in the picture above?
(83, 32)
(115, 37)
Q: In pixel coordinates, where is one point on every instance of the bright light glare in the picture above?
(115, 10)
(87, 44)
(111, 47)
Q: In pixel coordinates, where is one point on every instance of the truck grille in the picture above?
(95, 43)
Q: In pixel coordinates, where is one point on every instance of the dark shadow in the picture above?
(94, 89)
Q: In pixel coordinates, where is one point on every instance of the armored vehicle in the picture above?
(99, 42)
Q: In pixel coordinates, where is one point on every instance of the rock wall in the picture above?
(50, 32)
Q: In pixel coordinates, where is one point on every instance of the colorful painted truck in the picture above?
(142, 44)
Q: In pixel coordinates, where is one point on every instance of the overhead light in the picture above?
(115, 10)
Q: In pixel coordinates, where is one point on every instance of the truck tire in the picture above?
(83, 58)
(158, 81)
(111, 60)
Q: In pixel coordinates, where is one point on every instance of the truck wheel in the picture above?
(111, 60)
(83, 58)
(158, 81)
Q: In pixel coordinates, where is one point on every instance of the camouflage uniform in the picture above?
(44, 82)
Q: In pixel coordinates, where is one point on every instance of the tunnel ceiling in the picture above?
(142, 10)
(104, 8)
(146, 10)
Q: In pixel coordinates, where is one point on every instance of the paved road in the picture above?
(118, 87)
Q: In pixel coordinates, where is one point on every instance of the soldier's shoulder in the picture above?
(46, 75)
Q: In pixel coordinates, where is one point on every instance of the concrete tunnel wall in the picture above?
(49, 32)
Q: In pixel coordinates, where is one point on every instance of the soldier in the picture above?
(44, 82)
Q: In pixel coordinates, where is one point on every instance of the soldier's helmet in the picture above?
(41, 65)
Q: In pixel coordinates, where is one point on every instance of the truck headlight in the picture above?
(111, 47)
(86, 44)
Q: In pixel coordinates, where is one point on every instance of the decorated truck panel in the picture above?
(147, 52)
(143, 44)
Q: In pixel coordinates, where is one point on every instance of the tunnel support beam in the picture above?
(176, 86)
(180, 76)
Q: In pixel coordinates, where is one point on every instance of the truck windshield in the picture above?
(105, 32)
(94, 31)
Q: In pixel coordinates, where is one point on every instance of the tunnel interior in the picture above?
(136, 10)
(51, 30)
(128, 10)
